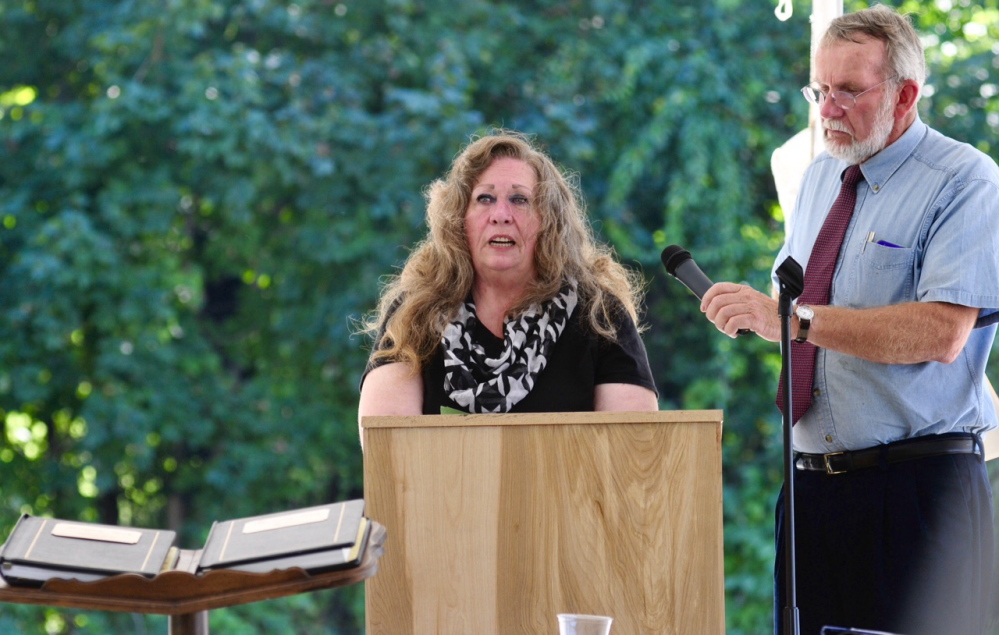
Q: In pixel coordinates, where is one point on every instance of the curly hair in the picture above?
(418, 303)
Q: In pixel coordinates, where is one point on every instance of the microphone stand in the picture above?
(791, 279)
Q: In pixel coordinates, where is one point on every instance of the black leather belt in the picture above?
(907, 450)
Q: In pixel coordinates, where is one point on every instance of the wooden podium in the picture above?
(496, 523)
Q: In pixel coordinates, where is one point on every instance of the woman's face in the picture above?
(501, 223)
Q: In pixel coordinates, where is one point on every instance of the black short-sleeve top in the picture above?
(577, 362)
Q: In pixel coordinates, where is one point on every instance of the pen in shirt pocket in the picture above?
(883, 243)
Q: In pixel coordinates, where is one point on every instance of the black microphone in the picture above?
(680, 264)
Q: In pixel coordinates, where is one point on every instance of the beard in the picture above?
(854, 151)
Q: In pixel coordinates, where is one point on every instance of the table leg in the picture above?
(189, 624)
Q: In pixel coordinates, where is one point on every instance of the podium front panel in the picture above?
(496, 523)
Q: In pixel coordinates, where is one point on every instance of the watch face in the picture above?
(804, 313)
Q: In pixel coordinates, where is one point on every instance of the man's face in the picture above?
(858, 133)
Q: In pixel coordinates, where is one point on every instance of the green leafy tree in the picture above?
(198, 198)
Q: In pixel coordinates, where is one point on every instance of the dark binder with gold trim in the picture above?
(40, 549)
(316, 539)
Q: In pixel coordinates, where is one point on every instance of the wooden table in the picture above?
(185, 597)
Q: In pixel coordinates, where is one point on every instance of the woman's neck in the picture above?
(492, 304)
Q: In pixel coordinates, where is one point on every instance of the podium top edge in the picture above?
(542, 418)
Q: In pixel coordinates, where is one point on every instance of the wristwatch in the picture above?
(805, 315)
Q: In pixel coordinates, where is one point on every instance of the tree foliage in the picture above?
(198, 198)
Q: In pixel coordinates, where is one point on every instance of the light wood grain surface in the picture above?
(496, 523)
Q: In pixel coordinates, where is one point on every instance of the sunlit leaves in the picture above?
(198, 197)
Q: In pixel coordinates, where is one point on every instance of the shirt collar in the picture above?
(879, 168)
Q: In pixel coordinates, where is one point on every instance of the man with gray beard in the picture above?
(892, 333)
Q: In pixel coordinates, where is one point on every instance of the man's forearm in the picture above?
(908, 333)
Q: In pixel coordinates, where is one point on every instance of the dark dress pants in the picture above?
(905, 548)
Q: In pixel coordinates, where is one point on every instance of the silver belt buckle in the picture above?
(829, 468)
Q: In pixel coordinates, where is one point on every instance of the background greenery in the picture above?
(198, 198)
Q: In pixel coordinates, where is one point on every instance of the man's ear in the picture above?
(907, 97)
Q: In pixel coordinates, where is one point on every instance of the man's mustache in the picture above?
(837, 126)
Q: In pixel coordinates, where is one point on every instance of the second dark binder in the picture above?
(314, 538)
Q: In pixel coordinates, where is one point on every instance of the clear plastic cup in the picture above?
(576, 624)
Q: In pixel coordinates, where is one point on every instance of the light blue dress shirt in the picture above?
(925, 228)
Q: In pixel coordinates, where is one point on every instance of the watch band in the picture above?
(805, 315)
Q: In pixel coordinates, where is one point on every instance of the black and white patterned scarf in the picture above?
(486, 384)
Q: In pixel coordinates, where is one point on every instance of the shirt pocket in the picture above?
(883, 275)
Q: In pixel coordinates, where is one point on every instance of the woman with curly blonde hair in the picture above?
(508, 304)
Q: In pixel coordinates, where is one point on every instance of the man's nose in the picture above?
(829, 109)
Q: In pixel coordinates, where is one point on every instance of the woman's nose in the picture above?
(501, 214)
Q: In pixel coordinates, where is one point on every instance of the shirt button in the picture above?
(829, 438)
(816, 392)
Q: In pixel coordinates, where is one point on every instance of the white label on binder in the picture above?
(103, 534)
(286, 520)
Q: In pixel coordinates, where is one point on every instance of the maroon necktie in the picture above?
(818, 284)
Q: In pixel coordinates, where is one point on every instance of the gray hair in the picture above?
(905, 57)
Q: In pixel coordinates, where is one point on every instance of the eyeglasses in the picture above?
(840, 98)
